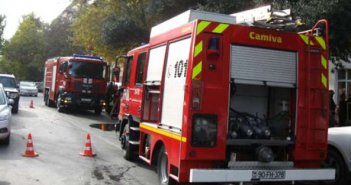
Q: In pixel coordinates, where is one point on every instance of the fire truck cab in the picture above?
(75, 82)
(209, 100)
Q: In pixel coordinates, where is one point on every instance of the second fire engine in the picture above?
(75, 82)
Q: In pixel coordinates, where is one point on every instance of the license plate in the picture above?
(86, 99)
(268, 174)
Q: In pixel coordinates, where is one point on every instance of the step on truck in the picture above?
(75, 82)
(211, 100)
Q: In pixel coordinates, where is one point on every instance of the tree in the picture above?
(24, 53)
(2, 27)
(86, 29)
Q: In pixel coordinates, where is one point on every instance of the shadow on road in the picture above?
(4, 183)
(25, 113)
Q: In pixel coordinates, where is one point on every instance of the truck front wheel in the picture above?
(59, 106)
(98, 110)
(128, 149)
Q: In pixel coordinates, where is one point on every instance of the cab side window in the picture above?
(140, 69)
(126, 78)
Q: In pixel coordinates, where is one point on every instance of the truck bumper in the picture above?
(237, 175)
(86, 101)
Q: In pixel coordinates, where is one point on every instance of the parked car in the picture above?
(10, 86)
(28, 89)
(5, 117)
(339, 153)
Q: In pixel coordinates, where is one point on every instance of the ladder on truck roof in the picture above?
(267, 18)
(259, 17)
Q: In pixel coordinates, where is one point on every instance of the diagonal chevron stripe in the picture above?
(197, 70)
(198, 49)
(305, 39)
(324, 80)
(201, 26)
(324, 62)
(321, 42)
(220, 28)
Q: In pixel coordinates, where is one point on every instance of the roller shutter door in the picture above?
(251, 65)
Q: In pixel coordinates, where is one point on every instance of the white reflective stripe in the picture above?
(29, 148)
(228, 175)
(90, 81)
(87, 148)
(85, 80)
(84, 91)
(89, 91)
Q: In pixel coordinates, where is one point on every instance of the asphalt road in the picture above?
(59, 138)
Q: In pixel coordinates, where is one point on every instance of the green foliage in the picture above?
(118, 31)
(2, 27)
(226, 6)
(57, 39)
(86, 29)
(24, 53)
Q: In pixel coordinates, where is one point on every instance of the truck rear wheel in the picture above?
(162, 169)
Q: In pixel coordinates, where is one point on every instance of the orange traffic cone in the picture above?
(88, 151)
(31, 104)
(30, 148)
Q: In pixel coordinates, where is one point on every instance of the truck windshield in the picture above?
(8, 81)
(86, 70)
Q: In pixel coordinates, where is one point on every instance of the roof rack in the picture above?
(265, 17)
(87, 56)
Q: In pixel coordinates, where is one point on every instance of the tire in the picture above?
(6, 141)
(58, 104)
(47, 100)
(336, 161)
(162, 169)
(125, 145)
(98, 110)
(15, 108)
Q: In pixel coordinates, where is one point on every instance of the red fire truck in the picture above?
(210, 100)
(75, 82)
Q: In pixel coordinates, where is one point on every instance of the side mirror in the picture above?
(11, 102)
(116, 72)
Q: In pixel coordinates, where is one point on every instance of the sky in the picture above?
(47, 10)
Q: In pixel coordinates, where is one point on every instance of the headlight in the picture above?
(204, 130)
(13, 95)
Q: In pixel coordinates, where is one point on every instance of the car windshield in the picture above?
(87, 70)
(27, 84)
(8, 81)
(2, 97)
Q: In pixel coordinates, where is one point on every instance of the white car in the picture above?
(339, 153)
(5, 117)
(28, 89)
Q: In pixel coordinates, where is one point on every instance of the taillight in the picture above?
(196, 96)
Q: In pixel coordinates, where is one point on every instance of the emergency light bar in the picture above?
(87, 56)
